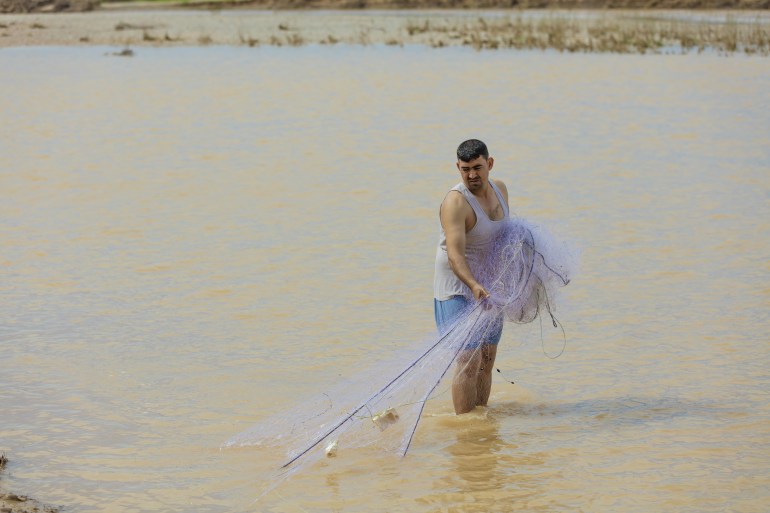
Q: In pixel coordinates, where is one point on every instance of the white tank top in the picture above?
(477, 241)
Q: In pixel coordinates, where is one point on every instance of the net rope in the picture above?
(523, 272)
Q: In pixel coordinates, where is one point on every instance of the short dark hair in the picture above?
(471, 150)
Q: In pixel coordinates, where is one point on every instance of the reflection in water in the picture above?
(333, 485)
(486, 472)
(475, 455)
(618, 412)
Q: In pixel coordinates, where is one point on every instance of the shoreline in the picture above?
(14, 503)
(54, 6)
(584, 31)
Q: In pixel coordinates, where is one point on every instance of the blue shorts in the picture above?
(447, 312)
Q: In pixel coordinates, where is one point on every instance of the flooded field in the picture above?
(198, 237)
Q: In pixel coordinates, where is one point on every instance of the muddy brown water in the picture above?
(195, 238)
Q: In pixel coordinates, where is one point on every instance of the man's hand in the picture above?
(479, 292)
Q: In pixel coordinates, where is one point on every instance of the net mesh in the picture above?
(523, 270)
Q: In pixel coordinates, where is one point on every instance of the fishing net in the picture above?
(522, 272)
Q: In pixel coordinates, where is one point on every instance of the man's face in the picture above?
(475, 174)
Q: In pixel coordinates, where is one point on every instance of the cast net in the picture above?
(522, 272)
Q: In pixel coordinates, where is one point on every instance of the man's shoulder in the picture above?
(500, 184)
(454, 198)
(455, 202)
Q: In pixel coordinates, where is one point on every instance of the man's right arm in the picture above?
(454, 211)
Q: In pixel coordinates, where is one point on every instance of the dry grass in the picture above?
(128, 26)
(294, 40)
(610, 34)
(560, 32)
(248, 40)
(330, 40)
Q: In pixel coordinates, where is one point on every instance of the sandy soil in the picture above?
(122, 29)
(183, 28)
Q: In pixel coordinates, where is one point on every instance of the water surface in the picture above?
(195, 238)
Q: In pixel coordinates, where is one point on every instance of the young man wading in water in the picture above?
(472, 214)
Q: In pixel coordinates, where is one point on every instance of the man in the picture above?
(472, 214)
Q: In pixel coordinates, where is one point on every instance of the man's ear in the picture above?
(491, 162)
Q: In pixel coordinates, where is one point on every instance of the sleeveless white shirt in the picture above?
(477, 241)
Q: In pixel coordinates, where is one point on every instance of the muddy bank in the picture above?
(14, 503)
(26, 6)
(17, 6)
(493, 4)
